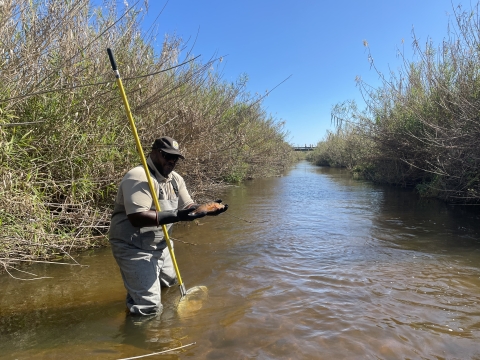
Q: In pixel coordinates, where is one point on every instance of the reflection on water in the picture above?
(309, 265)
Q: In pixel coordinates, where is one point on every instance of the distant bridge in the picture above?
(304, 148)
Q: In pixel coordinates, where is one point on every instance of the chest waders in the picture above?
(183, 292)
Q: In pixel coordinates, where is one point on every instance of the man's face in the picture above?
(164, 162)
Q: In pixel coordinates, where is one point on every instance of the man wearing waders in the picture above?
(136, 235)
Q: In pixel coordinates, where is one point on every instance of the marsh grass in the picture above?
(65, 141)
(421, 127)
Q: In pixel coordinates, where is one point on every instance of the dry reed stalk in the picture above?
(64, 139)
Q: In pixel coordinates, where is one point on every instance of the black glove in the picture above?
(173, 216)
(219, 211)
(193, 207)
(166, 217)
(186, 215)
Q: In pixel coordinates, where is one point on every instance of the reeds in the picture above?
(65, 141)
(421, 127)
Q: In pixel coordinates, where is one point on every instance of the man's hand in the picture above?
(187, 215)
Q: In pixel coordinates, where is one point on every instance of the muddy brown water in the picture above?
(326, 268)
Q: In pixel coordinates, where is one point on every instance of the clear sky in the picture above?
(318, 43)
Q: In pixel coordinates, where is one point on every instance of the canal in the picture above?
(310, 265)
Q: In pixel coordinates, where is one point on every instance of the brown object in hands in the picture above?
(209, 207)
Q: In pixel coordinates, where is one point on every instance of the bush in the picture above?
(65, 141)
(422, 123)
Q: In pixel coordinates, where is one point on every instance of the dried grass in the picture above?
(65, 141)
(421, 127)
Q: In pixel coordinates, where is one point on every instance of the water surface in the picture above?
(311, 265)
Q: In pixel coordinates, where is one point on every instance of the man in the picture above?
(136, 237)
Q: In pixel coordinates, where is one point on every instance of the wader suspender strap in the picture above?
(173, 182)
(175, 186)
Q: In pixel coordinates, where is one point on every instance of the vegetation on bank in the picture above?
(65, 141)
(421, 127)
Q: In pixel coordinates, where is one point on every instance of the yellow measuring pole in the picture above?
(145, 167)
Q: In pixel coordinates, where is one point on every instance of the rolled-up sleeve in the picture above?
(136, 194)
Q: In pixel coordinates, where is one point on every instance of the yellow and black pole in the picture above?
(144, 163)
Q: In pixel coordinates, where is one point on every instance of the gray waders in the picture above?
(144, 260)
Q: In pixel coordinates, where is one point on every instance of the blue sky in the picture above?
(318, 43)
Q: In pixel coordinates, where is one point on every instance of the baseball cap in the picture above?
(168, 145)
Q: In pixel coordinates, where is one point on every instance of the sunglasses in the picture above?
(169, 157)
